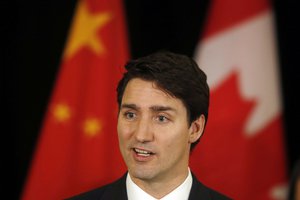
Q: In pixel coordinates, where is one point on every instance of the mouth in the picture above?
(143, 153)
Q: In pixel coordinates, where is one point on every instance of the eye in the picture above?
(162, 119)
(129, 115)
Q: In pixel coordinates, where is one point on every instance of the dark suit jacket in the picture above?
(117, 191)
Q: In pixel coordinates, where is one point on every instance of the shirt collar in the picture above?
(182, 192)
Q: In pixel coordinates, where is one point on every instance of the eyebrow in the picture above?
(162, 108)
(131, 106)
(155, 108)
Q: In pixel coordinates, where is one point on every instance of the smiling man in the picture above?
(163, 103)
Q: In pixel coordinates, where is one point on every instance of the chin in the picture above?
(142, 174)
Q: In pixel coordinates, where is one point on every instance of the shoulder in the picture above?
(200, 191)
(115, 190)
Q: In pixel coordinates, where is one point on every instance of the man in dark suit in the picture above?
(163, 103)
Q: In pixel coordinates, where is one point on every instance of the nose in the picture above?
(144, 130)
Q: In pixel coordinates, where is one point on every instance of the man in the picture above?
(163, 103)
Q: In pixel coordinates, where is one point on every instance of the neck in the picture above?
(160, 188)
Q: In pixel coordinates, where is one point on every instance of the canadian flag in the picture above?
(242, 152)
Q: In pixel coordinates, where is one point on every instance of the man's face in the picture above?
(154, 135)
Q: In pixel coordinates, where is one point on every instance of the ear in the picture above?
(196, 129)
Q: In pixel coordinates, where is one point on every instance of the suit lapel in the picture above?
(117, 191)
(198, 191)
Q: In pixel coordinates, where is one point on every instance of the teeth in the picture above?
(142, 152)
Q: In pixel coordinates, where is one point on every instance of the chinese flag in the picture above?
(242, 151)
(78, 146)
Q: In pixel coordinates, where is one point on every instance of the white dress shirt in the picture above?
(182, 192)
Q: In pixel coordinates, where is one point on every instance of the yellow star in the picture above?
(92, 126)
(61, 112)
(84, 30)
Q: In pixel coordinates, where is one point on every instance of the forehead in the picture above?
(146, 94)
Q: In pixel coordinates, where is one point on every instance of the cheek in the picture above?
(123, 139)
(124, 131)
(173, 137)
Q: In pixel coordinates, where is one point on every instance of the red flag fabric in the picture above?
(242, 151)
(78, 146)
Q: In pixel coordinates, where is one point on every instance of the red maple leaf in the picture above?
(232, 162)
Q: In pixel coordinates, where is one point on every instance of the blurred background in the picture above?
(35, 35)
